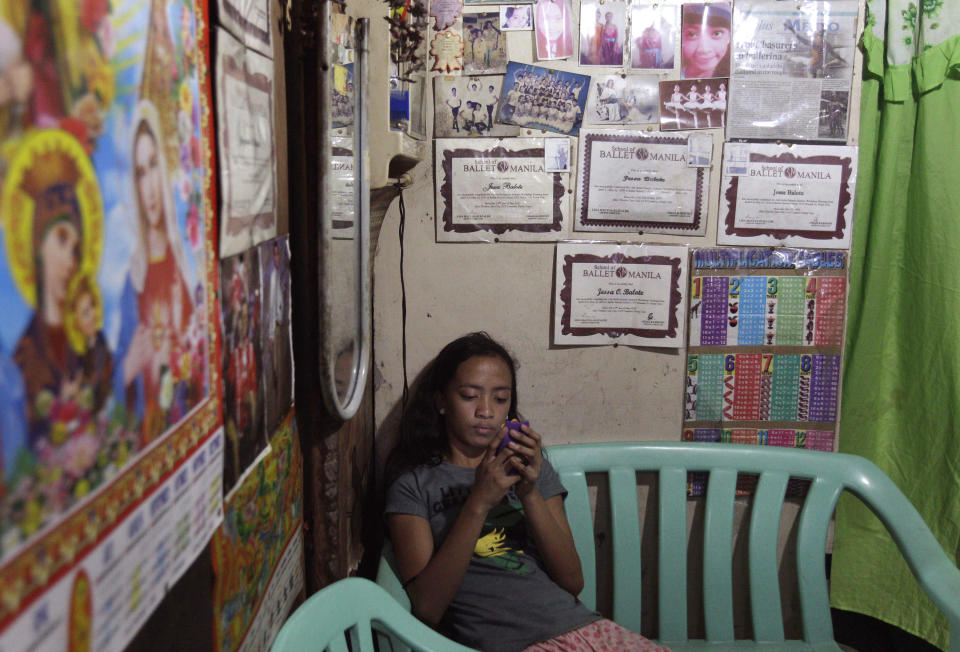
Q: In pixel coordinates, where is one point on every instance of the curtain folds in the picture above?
(901, 388)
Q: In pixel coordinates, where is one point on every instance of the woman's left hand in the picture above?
(527, 447)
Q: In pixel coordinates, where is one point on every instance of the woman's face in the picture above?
(149, 178)
(476, 402)
(703, 47)
(86, 315)
(60, 257)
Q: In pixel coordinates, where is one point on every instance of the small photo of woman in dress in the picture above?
(602, 33)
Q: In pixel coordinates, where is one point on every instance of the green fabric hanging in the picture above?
(901, 391)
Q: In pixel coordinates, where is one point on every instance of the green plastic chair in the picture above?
(829, 475)
(349, 615)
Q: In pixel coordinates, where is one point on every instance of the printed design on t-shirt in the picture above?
(504, 538)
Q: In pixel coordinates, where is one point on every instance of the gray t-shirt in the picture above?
(506, 601)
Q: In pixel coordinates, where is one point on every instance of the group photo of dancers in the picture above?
(467, 107)
(693, 103)
(542, 98)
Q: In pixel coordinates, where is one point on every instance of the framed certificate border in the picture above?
(838, 237)
(671, 336)
(583, 223)
(445, 193)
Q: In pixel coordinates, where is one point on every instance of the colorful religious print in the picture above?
(484, 43)
(639, 181)
(498, 189)
(258, 550)
(536, 97)
(108, 332)
(246, 146)
(243, 401)
(792, 69)
(620, 294)
(765, 344)
(466, 107)
(276, 376)
(787, 194)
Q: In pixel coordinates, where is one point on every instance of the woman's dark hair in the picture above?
(423, 435)
(718, 15)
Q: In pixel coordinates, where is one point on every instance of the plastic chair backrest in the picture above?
(348, 615)
(829, 473)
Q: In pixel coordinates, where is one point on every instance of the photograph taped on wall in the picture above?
(246, 146)
(693, 103)
(276, 376)
(537, 97)
(603, 31)
(620, 294)
(516, 18)
(466, 107)
(793, 69)
(108, 344)
(241, 313)
(653, 30)
(639, 181)
(790, 195)
(249, 21)
(484, 45)
(553, 25)
(498, 189)
(622, 99)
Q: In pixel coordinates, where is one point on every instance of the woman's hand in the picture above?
(527, 448)
(492, 478)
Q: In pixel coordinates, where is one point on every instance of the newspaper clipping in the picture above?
(792, 69)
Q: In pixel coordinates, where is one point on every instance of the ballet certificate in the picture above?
(627, 294)
(639, 181)
(498, 188)
(797, 196)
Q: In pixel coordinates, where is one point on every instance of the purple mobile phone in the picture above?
(511, 425)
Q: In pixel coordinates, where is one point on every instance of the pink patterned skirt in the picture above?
(599, 636)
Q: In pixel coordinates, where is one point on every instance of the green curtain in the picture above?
(901, 387)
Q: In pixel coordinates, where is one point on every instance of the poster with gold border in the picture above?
(110, 415)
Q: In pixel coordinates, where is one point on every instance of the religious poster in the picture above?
(791, 195)
(241, 309)
(108, 334)
(466, 107)
(653, 30)
(536, 97)
(258, 550)
(622, 99)
(765, 345)
(620, 294)
(341, 96)
(639, 181)
(792, 69)
(693, 103)
(484, 44)
(249, 21)
(603, 32)
(276, 377)
(247, 146)
(489, 189)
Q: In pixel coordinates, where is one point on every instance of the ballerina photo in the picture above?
(693, 103)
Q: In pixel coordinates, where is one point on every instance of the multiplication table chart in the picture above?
(765, 346)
